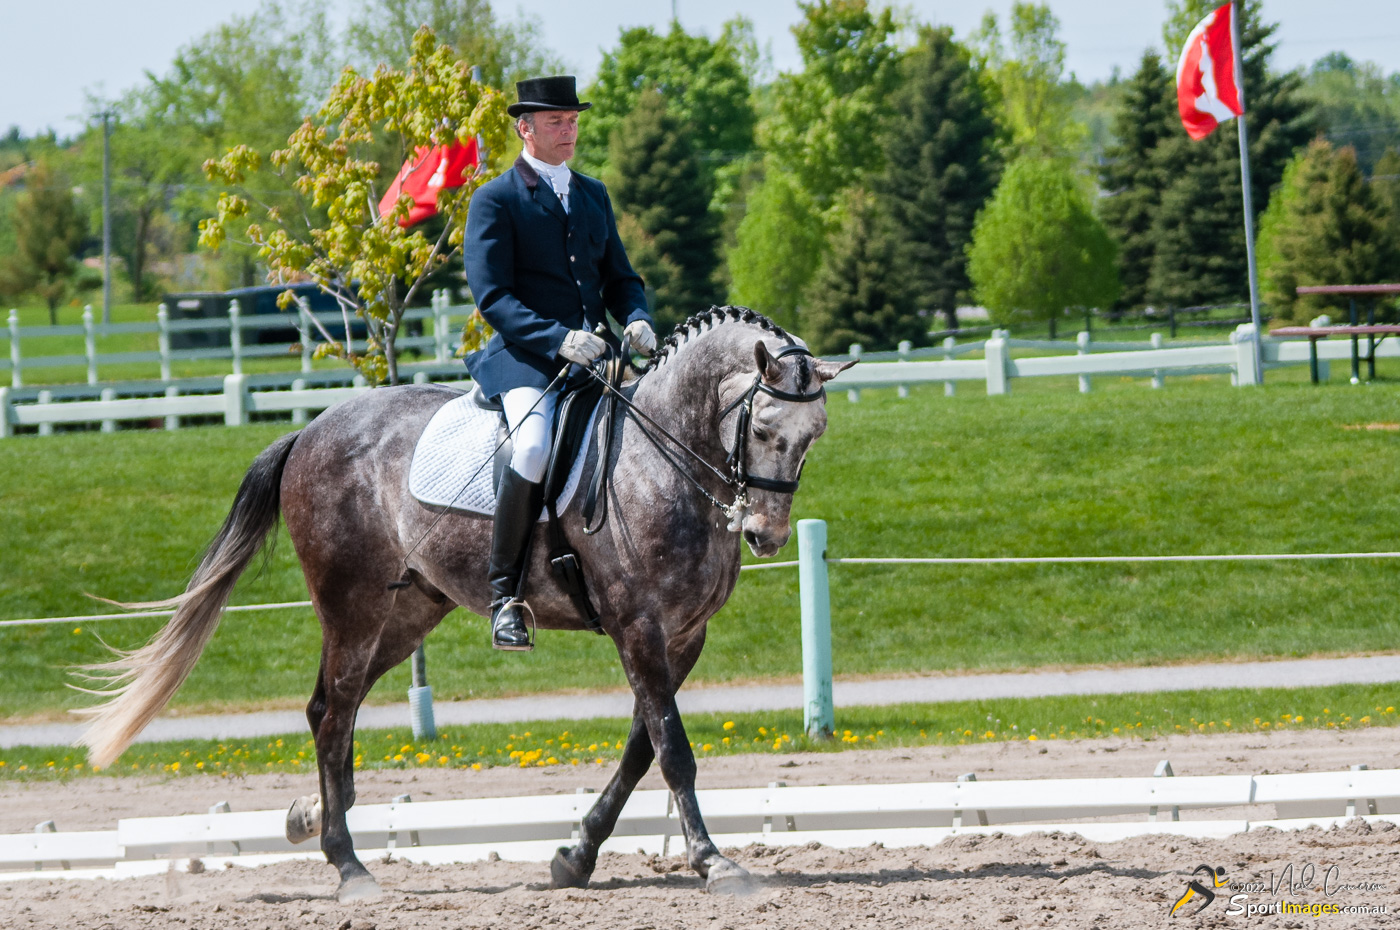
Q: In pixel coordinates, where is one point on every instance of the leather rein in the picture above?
(738, 480)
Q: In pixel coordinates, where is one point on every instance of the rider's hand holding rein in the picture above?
(582, 347)
(639, 333)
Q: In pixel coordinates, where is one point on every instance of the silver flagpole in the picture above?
(1248, 195)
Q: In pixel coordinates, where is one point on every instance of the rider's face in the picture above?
(552, 140)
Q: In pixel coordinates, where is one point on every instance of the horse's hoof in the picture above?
(304, 819)
(728, 877)
(563, 873)
(359, 888)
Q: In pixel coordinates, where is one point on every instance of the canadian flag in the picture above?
(1207, 84)
(429, 170)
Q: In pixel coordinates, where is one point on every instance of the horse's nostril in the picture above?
(751, 537)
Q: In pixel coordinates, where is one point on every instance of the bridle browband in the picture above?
(738, 480)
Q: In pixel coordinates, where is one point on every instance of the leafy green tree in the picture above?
(1038, 250)
(1356, 104)
(370, 264)
(1130, 178)
(1326, 226)
(706, 84)
(941, 166)
(506, 51)
(816, 137)
(1028, 69)
(657, 179)
(1385, 182)
(1199, 228)
(779, 247)
(855, 298)
(825, 115)
(49, 229)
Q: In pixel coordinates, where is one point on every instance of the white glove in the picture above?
(641, 336)
(581, 347)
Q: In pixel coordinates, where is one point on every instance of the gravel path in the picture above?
(1292, 673)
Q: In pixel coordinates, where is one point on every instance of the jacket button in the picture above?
(573, 258)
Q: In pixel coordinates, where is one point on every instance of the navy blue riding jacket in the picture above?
(537, 272)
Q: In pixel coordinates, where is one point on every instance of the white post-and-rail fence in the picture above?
(238, 394)
(529, 829)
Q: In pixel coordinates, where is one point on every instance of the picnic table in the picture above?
(1369, 330)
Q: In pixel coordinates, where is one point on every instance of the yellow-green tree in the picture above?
(336, 236)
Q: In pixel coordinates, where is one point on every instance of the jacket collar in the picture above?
(544, 196)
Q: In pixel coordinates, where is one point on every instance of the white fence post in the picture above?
(905, 346)
(304, 327)
(818, 712)
(163, 339)
(235, 400)
(16, 379)
(995, 350)
(1247, 361)
(950, 344)
(90, 344)
(45, 398)
(235, 336)
(1157, 379)
(7, 429)
(172, 422)
(853, 395)
(1086, 384)
(109, 395)
(299, 414)
(440, 326)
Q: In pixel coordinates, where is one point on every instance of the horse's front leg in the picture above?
(642, 646)
(572, 867)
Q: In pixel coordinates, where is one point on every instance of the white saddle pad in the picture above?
(452, 462)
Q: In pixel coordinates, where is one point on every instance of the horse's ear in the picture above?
(825, 370)
(768, 366)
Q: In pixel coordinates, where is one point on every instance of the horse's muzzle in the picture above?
(763, 538)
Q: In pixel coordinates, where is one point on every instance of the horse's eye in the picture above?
(761, 434)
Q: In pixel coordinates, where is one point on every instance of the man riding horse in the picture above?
(544, 262)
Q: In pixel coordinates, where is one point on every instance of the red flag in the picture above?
(1207, 85)
(430, 170)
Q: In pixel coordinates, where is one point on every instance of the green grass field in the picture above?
(1195, 468)
(545, 743)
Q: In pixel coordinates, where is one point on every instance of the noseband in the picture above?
(738, 480)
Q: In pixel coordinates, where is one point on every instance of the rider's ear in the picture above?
(825, 370)
(768, 366)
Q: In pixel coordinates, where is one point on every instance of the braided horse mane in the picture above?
(717, 316)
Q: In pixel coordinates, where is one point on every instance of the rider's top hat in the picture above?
(547, 93)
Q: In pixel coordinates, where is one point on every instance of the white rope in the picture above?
(995, 560)
(148, 613)
(1079, 559)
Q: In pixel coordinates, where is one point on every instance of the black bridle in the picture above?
(738, 480)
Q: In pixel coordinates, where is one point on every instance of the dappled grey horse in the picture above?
(741, 394)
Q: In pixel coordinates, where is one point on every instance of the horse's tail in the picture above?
(141, 682)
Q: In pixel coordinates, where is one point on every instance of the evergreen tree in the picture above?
(1132, 183)
(941, 167)
(1199, 228)
(656, 179)
(1038, 250)
(48, 232)
(855, 294)
(1326, 226)
(1385, 183)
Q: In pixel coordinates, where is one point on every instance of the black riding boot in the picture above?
(517, 508)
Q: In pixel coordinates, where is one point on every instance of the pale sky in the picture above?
(54, 56)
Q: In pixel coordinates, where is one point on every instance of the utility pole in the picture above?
(106, 115)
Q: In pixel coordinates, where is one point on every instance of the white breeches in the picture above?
(529, 429)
